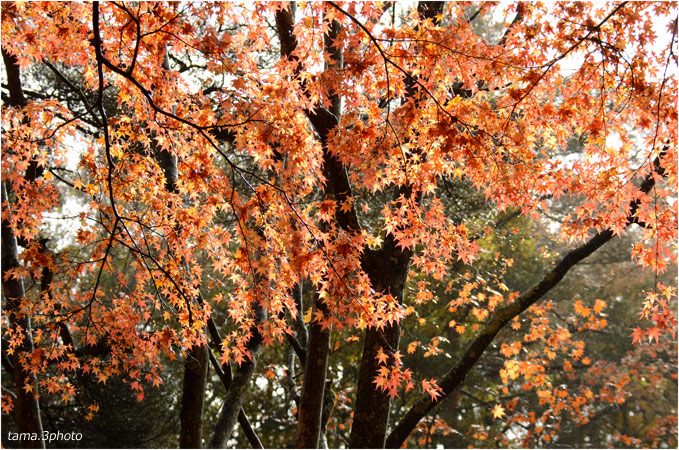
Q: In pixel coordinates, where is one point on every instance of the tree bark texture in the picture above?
(388, 271)
(193, 396)
(311, 399)
(168, 160)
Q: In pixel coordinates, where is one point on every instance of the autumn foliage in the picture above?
(232, 178)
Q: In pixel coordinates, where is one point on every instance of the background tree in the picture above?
(382, 221)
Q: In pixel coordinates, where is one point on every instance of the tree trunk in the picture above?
(26, 408)
(196, 362)
(311, 400)
(337, 188)
(193, 395)
(388, 270)
(167, 160)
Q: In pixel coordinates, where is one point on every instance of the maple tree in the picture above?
(233, 199)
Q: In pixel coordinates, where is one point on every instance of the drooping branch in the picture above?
(505, 314)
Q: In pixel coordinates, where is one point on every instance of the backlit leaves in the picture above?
(574, 105)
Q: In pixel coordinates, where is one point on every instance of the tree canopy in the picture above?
(445, 224)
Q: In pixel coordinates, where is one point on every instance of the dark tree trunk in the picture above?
(315, 368)
(167, 160)
(318, 348)
(26, 408)
(196, 362)
(193, 395)
(310, 417)
(16, 93)
(388, 270)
